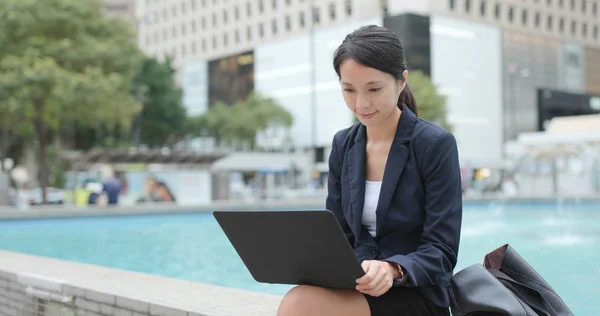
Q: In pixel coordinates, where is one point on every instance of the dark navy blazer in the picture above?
(419, 213)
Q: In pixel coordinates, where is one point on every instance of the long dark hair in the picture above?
(376, 47)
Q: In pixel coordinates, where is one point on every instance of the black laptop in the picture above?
(292, 247)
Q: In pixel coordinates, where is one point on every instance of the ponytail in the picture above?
(406, 97)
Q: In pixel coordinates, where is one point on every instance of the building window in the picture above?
(583, 6)
(214, 19)
(225, 40)
(183, 30)
(288, 23)
(193, 27)
(573, 27)
(316, 17)
(584, 30)
(549, 23)
(524, 17)
(451, 4)
(537, 20)
(511, 13)
(274, 26)
(193, 4)
(595, 32)
(348, 7)
(561, 25)
(236, 13)
(595, 8)
(332, 11)
(572, 5)
(301, 21)
(174, 32)
(497, 11)
(224, 16)
(249, 33)
(183, 50)
(183, 8)
(193, 48)
(203, 22)
(261, 30)
(204, 45)
(261, 7)
(237, 36)
(482, 8)
(248, 8)
(214, 42)
(274, 4)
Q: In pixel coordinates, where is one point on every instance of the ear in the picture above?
(402, 82)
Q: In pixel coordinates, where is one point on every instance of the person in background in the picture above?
(163, 192)
(111, 185)
(394, 187)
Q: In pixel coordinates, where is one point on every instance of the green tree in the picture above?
(64, 61)
(241, 122)
(431, 104)
(163, 116)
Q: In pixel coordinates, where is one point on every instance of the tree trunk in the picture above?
(4, 146)
(40, 129)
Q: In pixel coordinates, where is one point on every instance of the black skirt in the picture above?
(399, 301)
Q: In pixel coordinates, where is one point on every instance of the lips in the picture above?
(366, 116)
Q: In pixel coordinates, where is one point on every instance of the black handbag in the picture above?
(504, 285)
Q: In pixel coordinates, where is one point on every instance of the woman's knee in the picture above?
(298, 301)
(311, 300)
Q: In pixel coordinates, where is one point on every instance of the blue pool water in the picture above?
(561, 242)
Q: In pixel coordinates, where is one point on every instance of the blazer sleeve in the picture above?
(333, 202)
(436, 257)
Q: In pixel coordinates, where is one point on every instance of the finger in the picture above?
(378, 277)
(382, 287)
(381, 282)
(365, 265)
(378, 290)
(370, 279)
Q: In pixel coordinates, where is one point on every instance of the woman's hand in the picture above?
(379, 277)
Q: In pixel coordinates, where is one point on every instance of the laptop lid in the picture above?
(292, 247)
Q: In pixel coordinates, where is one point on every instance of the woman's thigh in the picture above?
(309, 300)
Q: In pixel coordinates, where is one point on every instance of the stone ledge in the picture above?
(106, 291)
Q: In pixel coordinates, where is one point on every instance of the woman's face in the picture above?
(372, 95)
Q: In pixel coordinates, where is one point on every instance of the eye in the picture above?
(348, 90)
(374, 89)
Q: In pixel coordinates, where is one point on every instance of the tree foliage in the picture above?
(430, 104)
(64, 61)
(163, 117)
(241, 122)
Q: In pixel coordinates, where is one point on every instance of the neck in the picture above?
(385, 131)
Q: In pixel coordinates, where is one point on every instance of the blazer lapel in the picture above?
(394, 166)
(356, 172)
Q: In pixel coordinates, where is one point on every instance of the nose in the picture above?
(362, 102)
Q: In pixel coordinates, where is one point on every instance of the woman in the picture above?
(394, 186)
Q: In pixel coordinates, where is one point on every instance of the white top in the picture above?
(369, 217)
